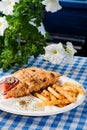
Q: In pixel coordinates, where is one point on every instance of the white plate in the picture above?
(13, 106)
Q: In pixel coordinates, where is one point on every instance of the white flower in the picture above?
(52, 5)
(6, 6)
(54, 53)
(40, 28)
(3, 25)
(70, 51)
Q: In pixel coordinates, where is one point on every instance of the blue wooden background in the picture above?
(71, 19)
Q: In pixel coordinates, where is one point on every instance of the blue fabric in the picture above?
(75, 119)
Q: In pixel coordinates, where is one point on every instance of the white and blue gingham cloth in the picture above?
(75, 119)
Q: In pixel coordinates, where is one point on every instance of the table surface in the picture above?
(75, 119)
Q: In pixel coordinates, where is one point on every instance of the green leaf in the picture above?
(22, 39)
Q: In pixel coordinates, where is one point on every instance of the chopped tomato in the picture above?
(6, 87)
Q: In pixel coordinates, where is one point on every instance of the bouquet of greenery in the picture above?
(19, 34)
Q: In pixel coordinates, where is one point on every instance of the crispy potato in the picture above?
(40, 96)
(56, 94)
(69, 95)
(68, 87)
(52, 97)
(59, 103)
(59, 95)
(74, 87)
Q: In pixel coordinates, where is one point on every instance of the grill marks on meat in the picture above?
(32, 79)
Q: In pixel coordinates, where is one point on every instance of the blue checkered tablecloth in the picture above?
(75, 119)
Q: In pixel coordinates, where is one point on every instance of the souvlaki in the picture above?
(28, 80)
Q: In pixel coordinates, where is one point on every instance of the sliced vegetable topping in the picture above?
(9, 83)
(11, 80)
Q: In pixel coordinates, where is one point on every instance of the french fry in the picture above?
(68, 87)
(40, 96)
(45, 93)
(74, 87)
(45, 103)
(67, 94)
(56, 94)
(59, 95)
(63, 103)
(48, 95)
(52, 97)
(53, 103)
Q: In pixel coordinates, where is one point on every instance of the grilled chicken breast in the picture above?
(30, 80)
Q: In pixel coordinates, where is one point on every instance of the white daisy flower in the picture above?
(3, 25)
(52, 5)
(54, 53)
(6, 6)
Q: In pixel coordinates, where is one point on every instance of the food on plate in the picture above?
(59, 95)
(28, 80)
(42, 84)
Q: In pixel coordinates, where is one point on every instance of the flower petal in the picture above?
(3, 25)
(70, 49)
(52, 5)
